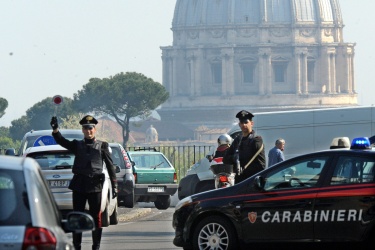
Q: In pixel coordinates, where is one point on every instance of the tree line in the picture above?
(123, 96)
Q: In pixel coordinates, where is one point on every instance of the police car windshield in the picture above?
(53, 160)
(150, 161)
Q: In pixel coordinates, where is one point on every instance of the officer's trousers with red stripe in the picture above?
(94, 201)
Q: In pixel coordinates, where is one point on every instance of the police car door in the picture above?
(282, 210)
(344, 207)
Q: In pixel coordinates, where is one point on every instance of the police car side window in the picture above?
(351, 170)
(303, 173)
(116, 157)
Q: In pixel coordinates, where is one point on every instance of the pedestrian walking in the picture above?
(276, 154)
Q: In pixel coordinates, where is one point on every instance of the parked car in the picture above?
(326, 196)
(29, 217)
(125, 178)
(154, 176)
(56, 163)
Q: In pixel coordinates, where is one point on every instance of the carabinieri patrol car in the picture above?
(326, 196)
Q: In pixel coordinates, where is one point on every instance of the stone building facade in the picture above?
(258, 55)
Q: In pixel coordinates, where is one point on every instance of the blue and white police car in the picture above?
(326, 196)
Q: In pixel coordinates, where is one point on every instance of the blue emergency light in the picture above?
(361, 143)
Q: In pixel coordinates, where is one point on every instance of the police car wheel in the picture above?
(129, 200)
(214, 232)
(105, 216)
(163, 202)
(113, 219)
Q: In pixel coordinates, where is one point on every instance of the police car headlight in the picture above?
(183, 202)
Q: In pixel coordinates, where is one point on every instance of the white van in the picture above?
(304, 131)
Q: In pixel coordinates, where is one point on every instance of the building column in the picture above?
(333, 73)
(192, 62)
(228, 87)
(174, 74)
(265, 70)
(297, 71)
(350, 69)
(351, 76)
(198, 72)
(166, 74)
(305, 82)
(269, 71)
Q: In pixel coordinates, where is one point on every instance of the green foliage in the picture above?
(6, 142)
(4, 132)
(3, 106)
(122, 96)
(19, 127)
(39, 116)
(71, 121)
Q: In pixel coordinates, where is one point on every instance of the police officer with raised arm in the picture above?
(246, 152)
(88, 178)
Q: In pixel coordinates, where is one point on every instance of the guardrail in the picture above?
(182, 157)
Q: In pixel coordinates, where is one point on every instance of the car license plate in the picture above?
(155, 189)
(58, 183)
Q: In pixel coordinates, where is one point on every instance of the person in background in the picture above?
(88, 178)
(246, 153)
(223, 142)
(276, 155)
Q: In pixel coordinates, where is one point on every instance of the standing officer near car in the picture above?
(88, 178)
(246, 153)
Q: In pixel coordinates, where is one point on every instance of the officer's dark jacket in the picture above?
(88, 163)
(247, 148)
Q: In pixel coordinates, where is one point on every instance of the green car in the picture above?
(155, 178)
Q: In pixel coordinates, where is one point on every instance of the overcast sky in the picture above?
(53, 47)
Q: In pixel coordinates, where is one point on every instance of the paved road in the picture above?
(139, 228)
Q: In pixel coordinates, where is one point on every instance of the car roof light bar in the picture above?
(361, 143)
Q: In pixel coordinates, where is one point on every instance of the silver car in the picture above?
(125, 178)
(56, 163)
(29, 217)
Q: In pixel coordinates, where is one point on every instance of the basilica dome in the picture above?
(256, 21)
(195, 13)
(270, 55)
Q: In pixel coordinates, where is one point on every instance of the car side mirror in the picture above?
(118, 169)
(78, 222)
(259, 182)
(209, 157)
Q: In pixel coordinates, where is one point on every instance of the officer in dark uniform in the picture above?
(87, 182)
(244, 148)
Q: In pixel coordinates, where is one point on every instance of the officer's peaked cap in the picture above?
(88, 120)
(244, 115)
